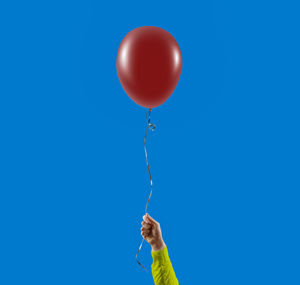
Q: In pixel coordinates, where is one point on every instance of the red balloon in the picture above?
(149, 64)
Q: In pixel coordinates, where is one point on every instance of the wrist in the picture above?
(158, 245)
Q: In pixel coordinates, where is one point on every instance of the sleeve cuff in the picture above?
(161, 255)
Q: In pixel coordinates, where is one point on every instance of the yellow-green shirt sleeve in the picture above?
(162, 269)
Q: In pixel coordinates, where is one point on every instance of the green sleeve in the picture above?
(162, 269)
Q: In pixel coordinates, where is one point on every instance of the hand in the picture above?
(151, 232)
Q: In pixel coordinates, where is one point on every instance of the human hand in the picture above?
(151, 232)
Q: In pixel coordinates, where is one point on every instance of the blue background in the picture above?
(224, 156)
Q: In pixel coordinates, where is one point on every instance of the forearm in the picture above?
(162, 269)
(158, 246)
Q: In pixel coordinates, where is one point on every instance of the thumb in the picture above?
(151, 219)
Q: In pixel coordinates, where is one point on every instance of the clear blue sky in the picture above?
(224, 156)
